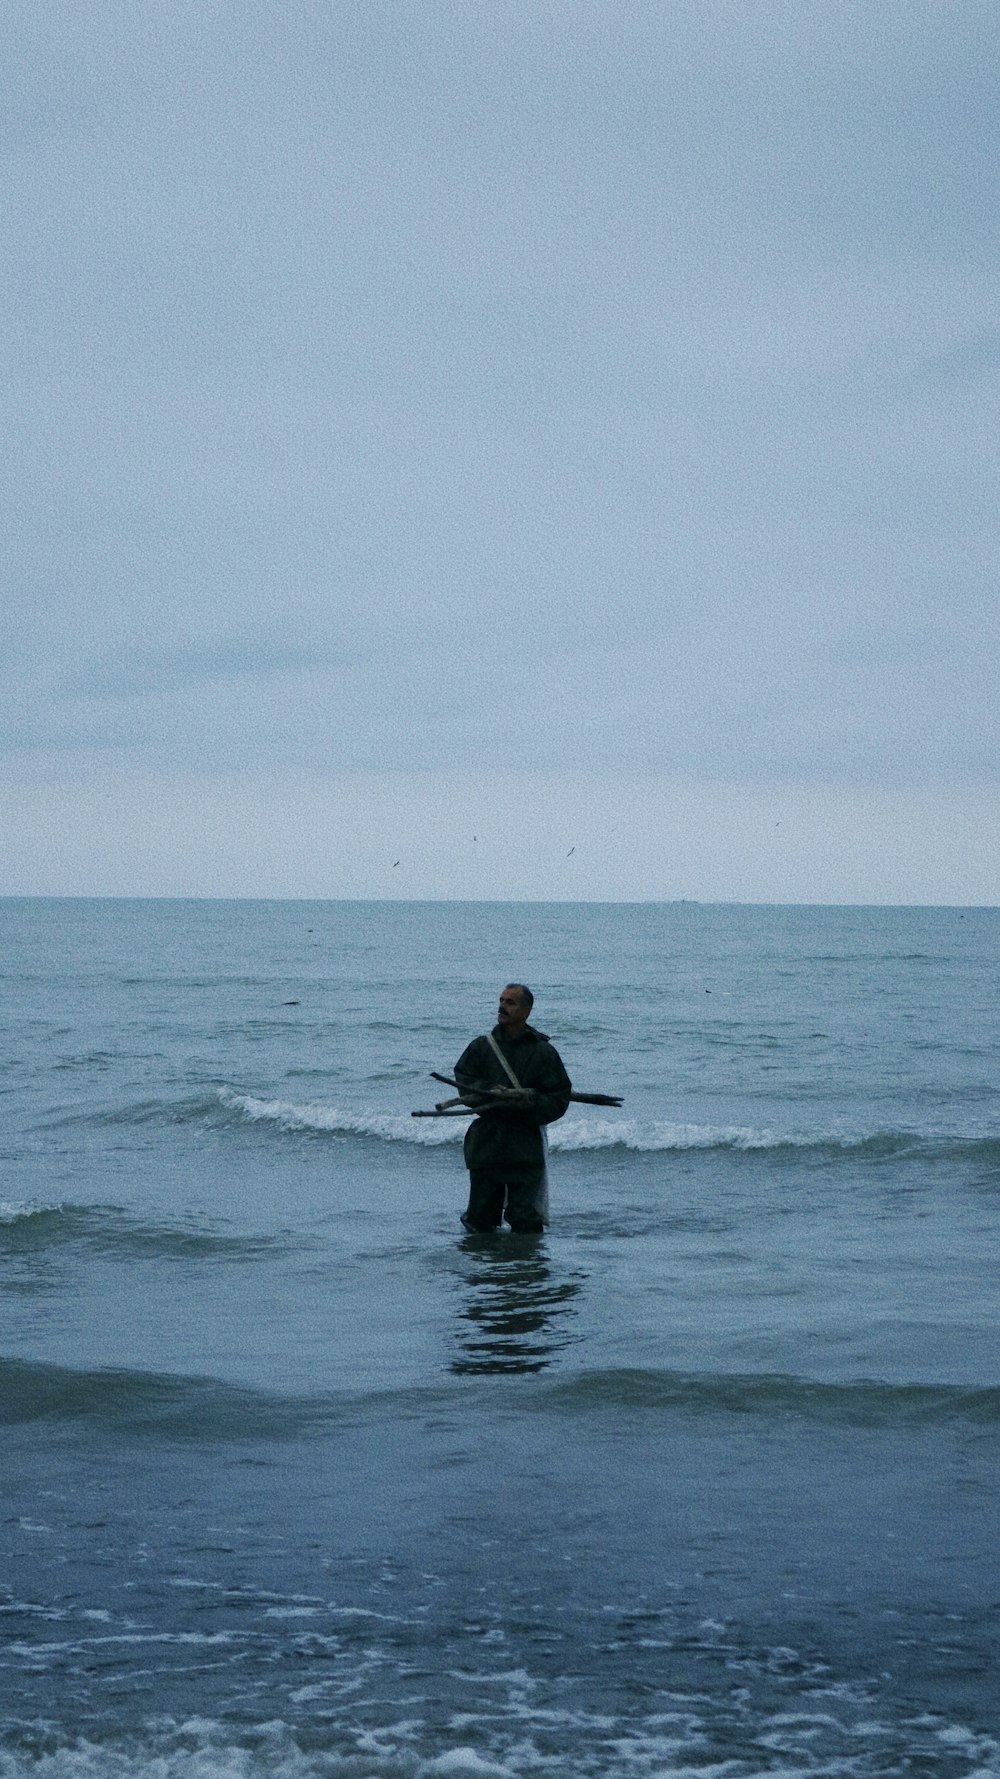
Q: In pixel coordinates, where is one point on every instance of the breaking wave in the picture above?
(578, 1133)
(515, 1732)
(323, 1120)
(224, 1106)
(833, 1737)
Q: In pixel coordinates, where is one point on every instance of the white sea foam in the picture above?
(629, 1133)
(203, 1750)
(464, 1761)
(15, 1213)
(573, 1134)
(286, 1115)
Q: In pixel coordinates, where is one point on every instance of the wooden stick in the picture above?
(508, 1096)
(580, 1099)
(449, 1112)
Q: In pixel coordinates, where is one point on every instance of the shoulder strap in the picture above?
(502, 1060)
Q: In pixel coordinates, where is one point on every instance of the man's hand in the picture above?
(477, 1097)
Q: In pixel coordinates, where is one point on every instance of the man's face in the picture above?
(513, 1014)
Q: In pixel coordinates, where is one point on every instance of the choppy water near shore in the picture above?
(299, 1479)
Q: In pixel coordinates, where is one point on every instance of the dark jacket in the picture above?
(504, 1137)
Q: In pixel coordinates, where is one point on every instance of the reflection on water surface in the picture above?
(516, 1315)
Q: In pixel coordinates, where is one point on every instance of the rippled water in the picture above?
(301, 1479)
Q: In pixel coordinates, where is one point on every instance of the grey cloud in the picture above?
(372, 360)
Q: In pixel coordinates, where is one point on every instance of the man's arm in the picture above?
(471, 1073)
(491, 1098)
(542, 1103)
(551, 1094)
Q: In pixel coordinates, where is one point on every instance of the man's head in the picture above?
(515, 1005)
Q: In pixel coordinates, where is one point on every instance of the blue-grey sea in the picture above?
(300, 1480)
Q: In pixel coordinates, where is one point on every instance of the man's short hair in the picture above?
(525, 993)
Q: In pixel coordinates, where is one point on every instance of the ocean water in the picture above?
(300, 1480)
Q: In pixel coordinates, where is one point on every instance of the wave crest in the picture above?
(199, 1408)
(284, 1115)
(777, 1396)
(107, 1229)
(220, 1106)
(577, 1134)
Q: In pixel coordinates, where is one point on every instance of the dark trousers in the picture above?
(490, 1187)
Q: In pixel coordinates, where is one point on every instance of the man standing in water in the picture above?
(522, 1077)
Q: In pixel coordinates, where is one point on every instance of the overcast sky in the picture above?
(535, 448)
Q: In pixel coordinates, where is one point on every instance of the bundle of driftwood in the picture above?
(478, 1099)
